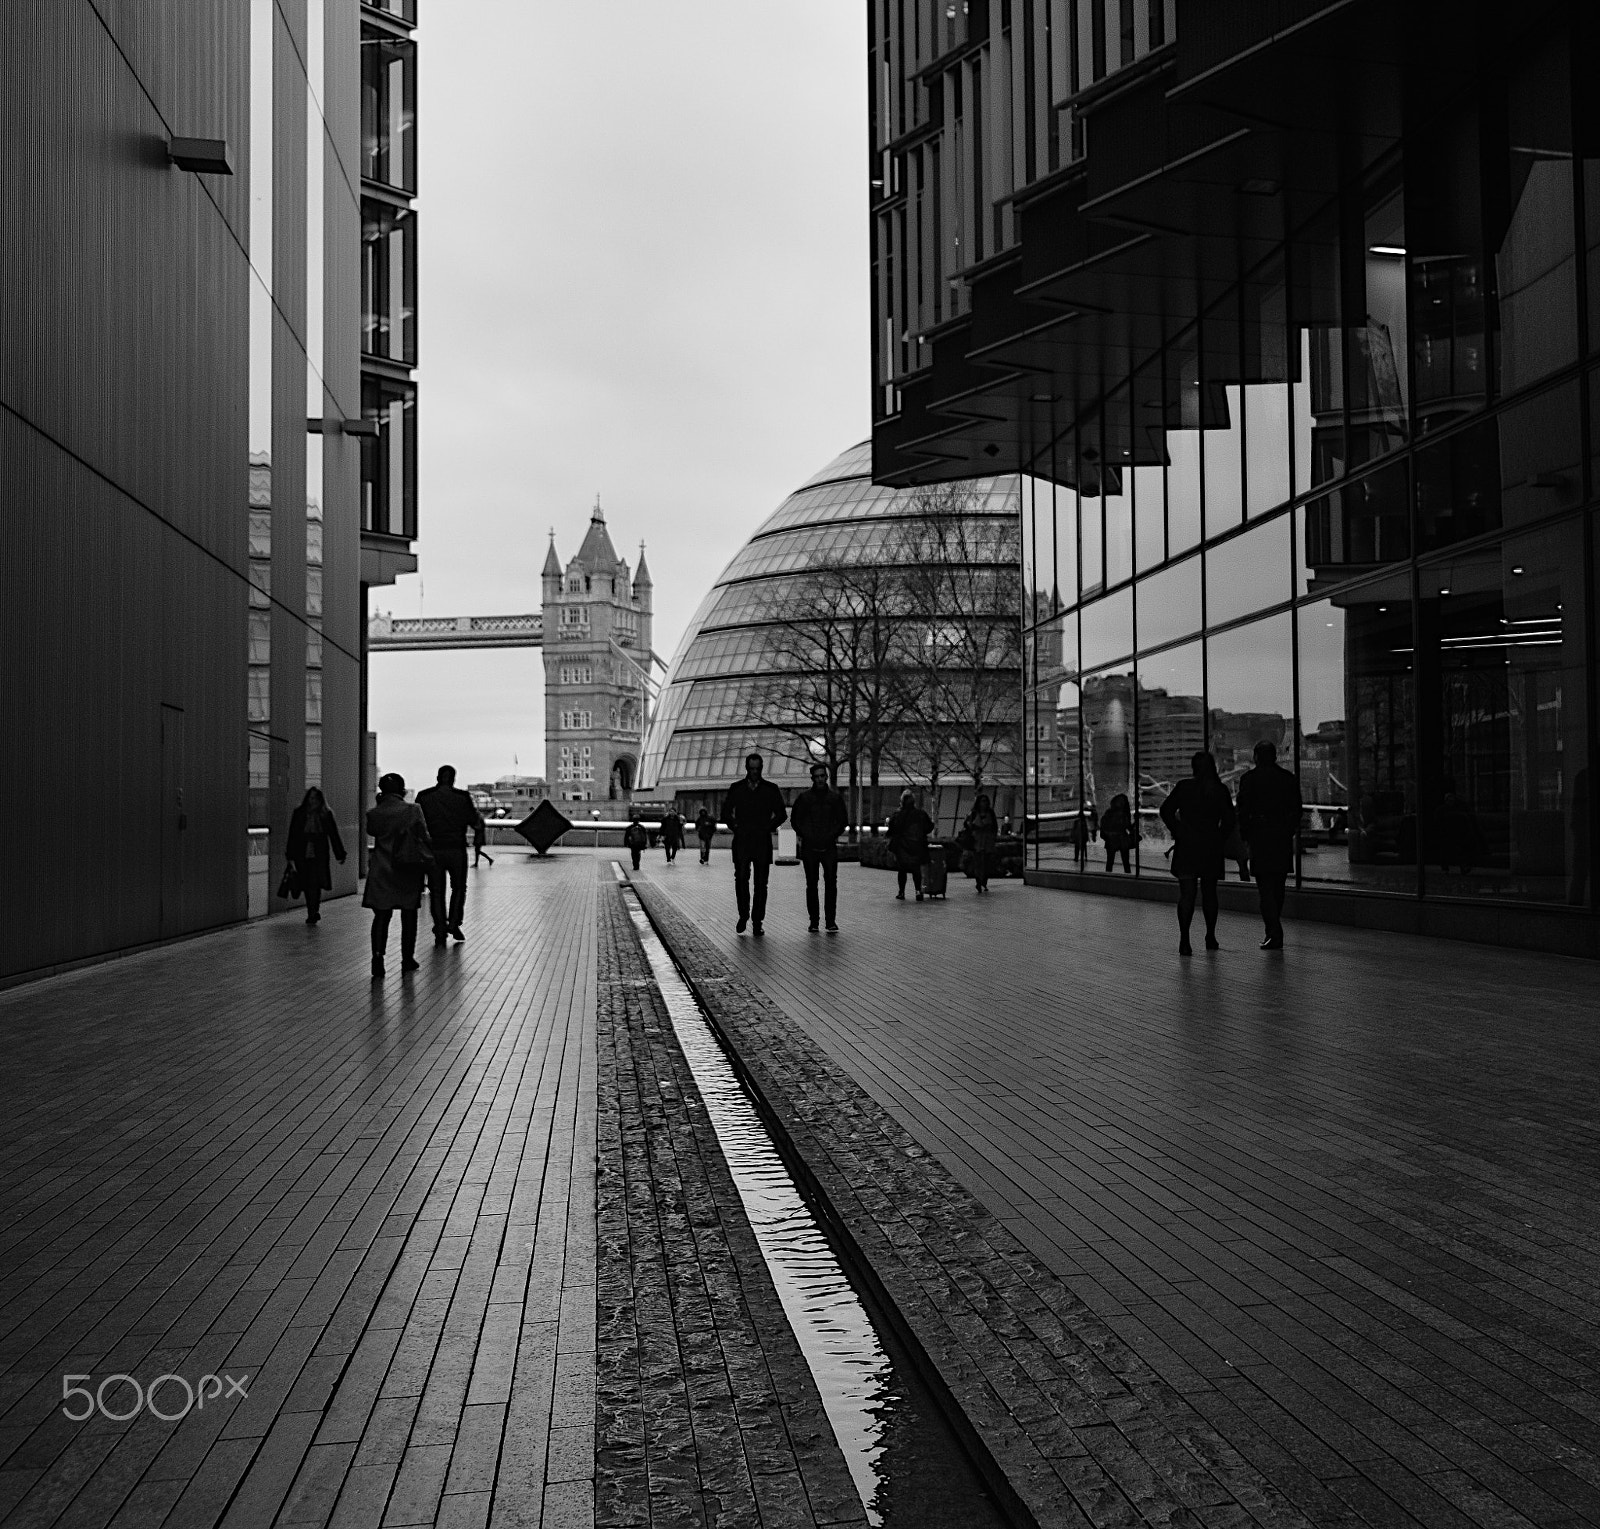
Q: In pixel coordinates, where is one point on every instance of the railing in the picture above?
(389, 634)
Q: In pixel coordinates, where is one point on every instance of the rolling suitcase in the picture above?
(935, 873)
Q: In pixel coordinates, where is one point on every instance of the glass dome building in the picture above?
(709, 714)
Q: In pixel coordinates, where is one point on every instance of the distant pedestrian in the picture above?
(819, 817)
(671, 833)
(705, 827)
(909, 831)
(1269, 822)
(401, 853)
(753, 809)
(1117, 832)
(1199, 814)
(450, 816)
(312, 835)
(635, 836)
(1078, 835)
(984, 828)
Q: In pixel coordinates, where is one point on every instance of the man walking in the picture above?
(753, 810)
(705, 827)
(671, 833)
(1269, 821)
(449, 815)
(819, 818)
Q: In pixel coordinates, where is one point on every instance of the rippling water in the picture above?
(840, 1344)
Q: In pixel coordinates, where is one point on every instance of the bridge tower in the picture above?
(596, 659)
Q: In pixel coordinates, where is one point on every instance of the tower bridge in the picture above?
(594, 627)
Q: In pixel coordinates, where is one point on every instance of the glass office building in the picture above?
(1289, 316)
(718, 700)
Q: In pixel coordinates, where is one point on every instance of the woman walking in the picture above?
(908, 841)
(705, 827)
(984, 827)
(401, 851)
(312, 834)
(1199, 813)
(1116, 832)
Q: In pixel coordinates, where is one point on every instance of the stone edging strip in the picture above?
(1085, 1432)
(705, 1409)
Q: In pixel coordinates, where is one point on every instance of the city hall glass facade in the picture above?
(1293, 333)
(713, 703)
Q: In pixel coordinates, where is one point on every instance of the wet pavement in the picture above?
(1263, 1240)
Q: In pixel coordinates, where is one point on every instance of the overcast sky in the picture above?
(644, 274)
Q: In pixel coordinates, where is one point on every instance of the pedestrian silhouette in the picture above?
(401, 854)
(1078, 834)
(909, 829)
(705, 827)
(671, 833)
(635, 836)
(984, 828)
(753, 809)
(1269, 822)
(450, 816)
(313, 834)
(819, 818)
(1117, 832)
(1199, 814)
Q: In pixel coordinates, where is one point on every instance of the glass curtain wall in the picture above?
(1368, 538)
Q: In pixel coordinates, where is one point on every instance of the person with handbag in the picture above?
(982, 828)
(396, 871)
(312, 835)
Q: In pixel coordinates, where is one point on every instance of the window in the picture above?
(389, 281)
(389, 459)
(313, 697)
(388, 110)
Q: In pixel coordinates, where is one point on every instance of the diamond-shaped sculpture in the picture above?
(543, 826)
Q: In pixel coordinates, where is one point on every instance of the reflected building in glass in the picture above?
(1291, 335)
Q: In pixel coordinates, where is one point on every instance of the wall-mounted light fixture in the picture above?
(200, 156)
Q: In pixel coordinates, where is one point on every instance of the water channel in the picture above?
(906, 1462)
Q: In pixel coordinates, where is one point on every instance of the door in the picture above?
(174, 821)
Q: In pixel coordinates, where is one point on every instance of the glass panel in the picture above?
(1108, 713)
(1169, 604)
(1172, 727)
(1355, 727)
(1350, 531)
(1091, 531)
(1250, 693)
(389, 459)
(1534, 256)
(1056, 651)
(1108, 629)
(1058, 779)
(1065, 544)
(1248, 572)
(1149, 516)
(1520, 466)
(1378, 352)
(1036, 599)
(1501, 665)
(1266, 445)
(389, 281)
(388, 110)
(1119, 525)
(1318, 409)
(1224, 473)
(1183, 491)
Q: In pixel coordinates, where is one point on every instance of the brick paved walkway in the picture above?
(1342, 1200)
(237, 1157)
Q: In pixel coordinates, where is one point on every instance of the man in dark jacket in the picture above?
(1269, 821)
(819, 818)
(753, 810)
(450, 816)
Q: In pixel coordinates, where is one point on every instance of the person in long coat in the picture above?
(394, 879)
(1117, 832)
(1269, 822)
(1199, 814)
(909, 830)
(313, 834)
(985, 829)
(671, 833)
(705, 827)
